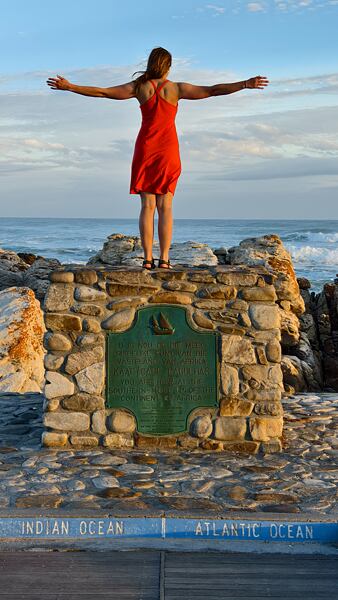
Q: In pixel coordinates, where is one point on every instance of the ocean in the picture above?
(313, 244)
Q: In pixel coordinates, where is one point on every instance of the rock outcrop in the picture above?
(125, 250)
(27, 270)
(21, 341)
(322, 324)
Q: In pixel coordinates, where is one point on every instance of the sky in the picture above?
(257, 153)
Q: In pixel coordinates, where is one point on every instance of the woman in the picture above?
(156, 164)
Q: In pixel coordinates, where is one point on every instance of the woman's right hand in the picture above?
(58, 84)
(257, 82)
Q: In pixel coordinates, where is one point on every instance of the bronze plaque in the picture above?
(161, 369)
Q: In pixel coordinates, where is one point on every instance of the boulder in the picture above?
(27, 270)
(21, 341)
(36, 276)
(270, 252)
(121, 249)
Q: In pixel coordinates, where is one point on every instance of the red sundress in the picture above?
(156, 164)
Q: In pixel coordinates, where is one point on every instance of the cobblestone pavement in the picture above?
(301, 479)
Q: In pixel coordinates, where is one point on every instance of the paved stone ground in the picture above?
(301, 479)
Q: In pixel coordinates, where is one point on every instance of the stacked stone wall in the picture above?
(82, 306)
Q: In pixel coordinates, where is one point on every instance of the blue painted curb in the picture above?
(168, 528)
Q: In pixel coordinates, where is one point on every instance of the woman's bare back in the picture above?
(169, 91)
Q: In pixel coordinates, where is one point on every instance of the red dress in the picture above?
(156, 164)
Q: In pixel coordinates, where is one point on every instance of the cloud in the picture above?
(216, 10)
(255, 7)
(281, 169)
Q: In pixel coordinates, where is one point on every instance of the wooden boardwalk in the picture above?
(150, 575)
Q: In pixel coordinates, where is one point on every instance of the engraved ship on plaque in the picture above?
(161, 326)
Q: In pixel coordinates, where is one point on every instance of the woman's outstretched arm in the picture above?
(117, 92)
(187, 91)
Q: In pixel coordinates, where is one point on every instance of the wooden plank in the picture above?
(218, 576)
(75, 575)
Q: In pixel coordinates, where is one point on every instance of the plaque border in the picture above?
(216, 336)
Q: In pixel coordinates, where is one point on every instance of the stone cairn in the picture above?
(82, 305)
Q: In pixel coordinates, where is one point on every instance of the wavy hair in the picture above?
(159, 62)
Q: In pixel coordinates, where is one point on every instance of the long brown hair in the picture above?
(159, 62)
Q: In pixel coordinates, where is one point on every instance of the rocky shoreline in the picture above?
(309, 320)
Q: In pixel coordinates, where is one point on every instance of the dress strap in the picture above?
(154, 86)
(161, 86)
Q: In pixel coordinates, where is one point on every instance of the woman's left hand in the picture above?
(58, 84)
(257, 82)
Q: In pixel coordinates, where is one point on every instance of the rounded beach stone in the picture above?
(91, 379)
(126, 302)
(264, 316)
(201, 276)
(181, 286)
(259, 294)
(235, 407)
(53, 362)
(259, 373)
(67, 421)
(51, 405)
(124, 289)
(118, 440)
(273, 351)
(201, 427)
(77, 361)
(229, 380)
(229, 428)
(84, 440)
(273, 409)
(92, 310)
(89, 339)
(238, 304)
(236, 349)
(54, 440)
(92, 325)
(120, 421)
(217, 291)
(105, 481)
(62, 322)
(171, 297)
(57, 342)
(83, 402)
(88, 277)
(57, 385)
(202, 321)
(209, 304)
(262, 395)
(61, 276)
(85, 293)
(120, 320)
(265, 428)
(99, 422)
(59, 296)
(237, 278)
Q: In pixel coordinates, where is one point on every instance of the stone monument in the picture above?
(186, 358)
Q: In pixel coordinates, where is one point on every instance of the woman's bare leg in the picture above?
(165, 222)
(146, 223)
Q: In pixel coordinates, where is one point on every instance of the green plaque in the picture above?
(161, 369)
